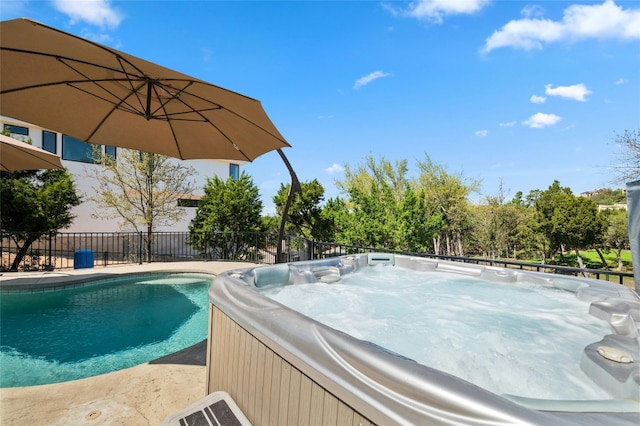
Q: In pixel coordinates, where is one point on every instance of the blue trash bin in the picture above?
(83, 259)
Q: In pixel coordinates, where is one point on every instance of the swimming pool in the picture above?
(99, 327)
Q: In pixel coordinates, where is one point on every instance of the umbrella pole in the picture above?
(295, 187)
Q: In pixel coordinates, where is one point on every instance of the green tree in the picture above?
(584, 226)
(526, 239)
(141, 189)
(489, 230)
(548, 222)
(374, 193)
(568, 222)
(305, 213)
(493, 225)
(35, 204)
(416, 229)
(271, 224)
(228, 213)
(447, 195)
(335, 215)
(616, 236)
(522, 236)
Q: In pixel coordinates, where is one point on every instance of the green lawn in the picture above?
(592, 260)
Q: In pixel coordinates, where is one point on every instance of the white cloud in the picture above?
(531, 11)
(363, 81)
(94, 12)
(508, 124)
(535, 99)
(334, 168)
(599, 21)
(577, 92)
(540, 120)
(622, 81)
(435, 10)
(481, 133)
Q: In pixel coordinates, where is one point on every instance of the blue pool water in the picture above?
(62, 335)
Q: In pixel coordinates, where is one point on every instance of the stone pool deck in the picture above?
(142, 395)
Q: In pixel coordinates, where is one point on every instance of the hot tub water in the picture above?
(520, 339)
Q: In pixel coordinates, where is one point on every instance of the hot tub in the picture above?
(283, 368)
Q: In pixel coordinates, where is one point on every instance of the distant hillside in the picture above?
(607, 196)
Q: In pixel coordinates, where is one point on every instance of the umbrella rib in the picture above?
(116, 106)
(127, 75)
(133, 86)
(198, 112)
(240, 116)
(162, 106)
(134, 89)
(171, 97)
(66, 61)
(117, 54)
(128, 108)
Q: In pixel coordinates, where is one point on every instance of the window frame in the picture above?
(45, 134)
(234, 171)
(67, 141)
(108, 148)
(16, 130)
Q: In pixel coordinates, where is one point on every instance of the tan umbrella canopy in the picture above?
(17, 155)
(102, 96)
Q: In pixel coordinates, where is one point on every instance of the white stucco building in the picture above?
(76, 157)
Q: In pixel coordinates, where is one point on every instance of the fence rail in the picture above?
(61, 250)
(322, 250)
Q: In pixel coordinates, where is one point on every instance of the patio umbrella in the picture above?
(103, 96)
(17, 155)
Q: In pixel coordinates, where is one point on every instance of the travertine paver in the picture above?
(141, 395)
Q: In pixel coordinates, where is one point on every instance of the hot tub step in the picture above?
(215, 409)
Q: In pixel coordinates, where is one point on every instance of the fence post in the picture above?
(49, 265)
(139, 248)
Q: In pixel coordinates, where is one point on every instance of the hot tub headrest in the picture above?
(274, 274)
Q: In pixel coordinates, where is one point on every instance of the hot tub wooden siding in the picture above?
(267, 388)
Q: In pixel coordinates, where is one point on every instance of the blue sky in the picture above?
(518, 92)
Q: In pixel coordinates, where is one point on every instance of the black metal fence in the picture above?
(73, 250)
(323, 250)
(67, 250)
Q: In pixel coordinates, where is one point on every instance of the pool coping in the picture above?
(44, 280)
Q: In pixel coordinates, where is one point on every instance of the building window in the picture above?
(110, 151)
(234, 171)
(75, 150)
(188, 202)
(49, 141)
(16, 130)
